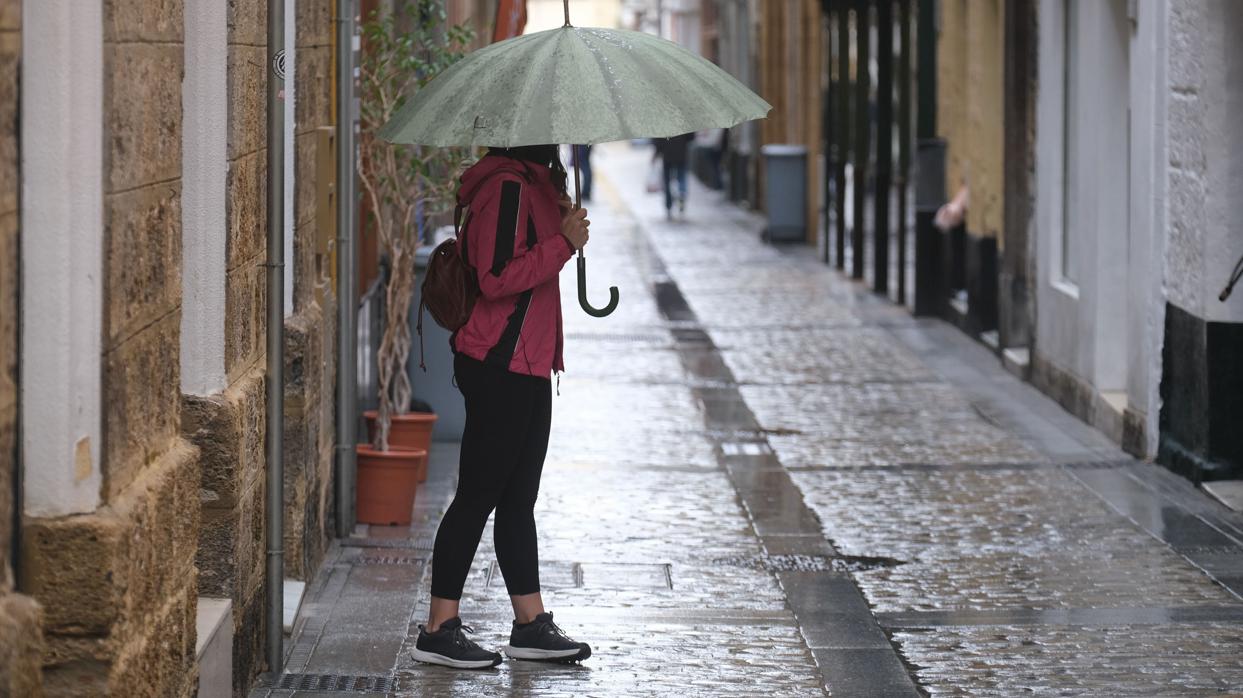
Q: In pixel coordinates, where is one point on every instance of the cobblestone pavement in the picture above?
(763, 480)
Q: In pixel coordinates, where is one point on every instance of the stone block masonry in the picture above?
(229, 427)
(229, 432)
(118, 585)
(310, 371)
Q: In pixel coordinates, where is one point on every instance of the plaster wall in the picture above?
(62, 258)
(1148, 217)
(1082, 179)
(204, 171)
(970, 86)
(1096, 190)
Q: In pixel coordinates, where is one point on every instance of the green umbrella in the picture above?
(573, 85)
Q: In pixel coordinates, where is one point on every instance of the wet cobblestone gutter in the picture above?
(762, 481)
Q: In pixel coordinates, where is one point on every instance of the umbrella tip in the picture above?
(566, 6)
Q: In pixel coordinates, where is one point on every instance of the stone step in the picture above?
(214, 647)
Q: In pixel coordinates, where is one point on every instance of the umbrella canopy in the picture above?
(573, 85)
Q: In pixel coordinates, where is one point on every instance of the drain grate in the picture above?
(418, 543)
(1101, 464)
(335, 682)
(624, 337)
(391, 560)
(808, 563)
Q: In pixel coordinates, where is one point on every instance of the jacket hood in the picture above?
(474, 177)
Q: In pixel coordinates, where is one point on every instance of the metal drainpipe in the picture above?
(274, 512)
(347, 265)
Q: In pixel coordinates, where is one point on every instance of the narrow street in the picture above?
(763, 480)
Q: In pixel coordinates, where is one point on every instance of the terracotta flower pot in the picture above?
(411, 431)
(387, 484)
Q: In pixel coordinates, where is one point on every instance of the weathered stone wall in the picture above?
(310, 332)
(230, 428)
(118, 586)
(21, 634)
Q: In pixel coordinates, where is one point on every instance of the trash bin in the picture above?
(435, 387)
(785, 192)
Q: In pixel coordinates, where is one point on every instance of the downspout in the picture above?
(274, 511)
(347, 265)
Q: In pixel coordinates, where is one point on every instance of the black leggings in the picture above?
(503, 446)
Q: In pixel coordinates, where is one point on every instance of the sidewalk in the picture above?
(764, 480)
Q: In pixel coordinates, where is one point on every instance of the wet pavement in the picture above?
(763, 479)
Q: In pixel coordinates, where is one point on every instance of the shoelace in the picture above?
(551, 627)
(459, 635)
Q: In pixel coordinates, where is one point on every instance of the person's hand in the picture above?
(574, 228)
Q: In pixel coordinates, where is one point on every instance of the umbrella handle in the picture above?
(582, 261)
(582, 292)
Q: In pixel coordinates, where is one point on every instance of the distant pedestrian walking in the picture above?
(673, 153)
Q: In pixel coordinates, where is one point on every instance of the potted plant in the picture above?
(402, 186)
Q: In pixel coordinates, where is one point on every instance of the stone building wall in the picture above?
(230, 427)
(310, 337)
(20, 624)
(118, 585)
(182, 490)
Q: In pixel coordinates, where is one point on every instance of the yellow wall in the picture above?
(970, 107)
(790, 77)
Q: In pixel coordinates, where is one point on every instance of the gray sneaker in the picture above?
(449, 646)
(542, 640)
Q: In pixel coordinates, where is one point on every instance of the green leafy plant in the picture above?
(402, 51)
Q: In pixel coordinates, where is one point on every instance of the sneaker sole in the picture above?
(576, 655)
(433, 658)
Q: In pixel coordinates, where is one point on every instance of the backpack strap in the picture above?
(422, 354)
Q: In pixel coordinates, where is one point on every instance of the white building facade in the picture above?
(1139, 172)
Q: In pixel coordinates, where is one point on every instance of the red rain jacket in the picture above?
(513, 240)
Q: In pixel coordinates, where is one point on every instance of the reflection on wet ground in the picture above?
(763, 480)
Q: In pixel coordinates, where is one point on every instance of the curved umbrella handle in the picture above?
(582, 292)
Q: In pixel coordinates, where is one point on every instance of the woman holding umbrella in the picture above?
(566, 85)
(520, 233)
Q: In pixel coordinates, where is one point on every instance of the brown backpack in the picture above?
(450, 286)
